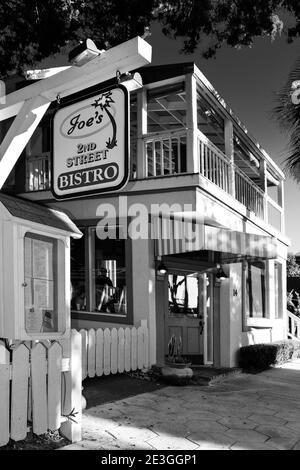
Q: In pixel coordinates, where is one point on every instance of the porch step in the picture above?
(209, 375)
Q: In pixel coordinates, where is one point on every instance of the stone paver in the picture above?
(244, 412)
(247, 435)
(267, 420)
(216, 440)
(237, 423)
(172, 443)
(247, 446)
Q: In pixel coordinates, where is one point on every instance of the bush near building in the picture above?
(259, 357)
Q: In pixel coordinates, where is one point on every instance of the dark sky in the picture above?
(248, 80)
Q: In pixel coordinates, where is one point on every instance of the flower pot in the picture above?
(177, 373)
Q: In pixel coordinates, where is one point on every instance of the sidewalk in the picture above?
(244, 412)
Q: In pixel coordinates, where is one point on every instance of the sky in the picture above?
(248, 80)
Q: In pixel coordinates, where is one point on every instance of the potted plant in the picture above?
(176, 370)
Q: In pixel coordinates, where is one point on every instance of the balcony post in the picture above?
(264, 186)
(141, 163)
(191, 124)
(229, 152)
(281, 204)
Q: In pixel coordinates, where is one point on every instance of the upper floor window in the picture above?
(209, 121)
(166, 108)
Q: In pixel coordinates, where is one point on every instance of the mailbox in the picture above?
(35, 270)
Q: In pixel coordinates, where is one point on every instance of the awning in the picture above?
(173, 236)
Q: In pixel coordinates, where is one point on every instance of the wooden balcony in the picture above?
(165, 154)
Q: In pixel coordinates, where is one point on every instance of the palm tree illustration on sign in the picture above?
(104, 101)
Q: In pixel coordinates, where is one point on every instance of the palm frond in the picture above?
(287, 114)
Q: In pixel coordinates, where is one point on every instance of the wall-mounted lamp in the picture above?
(162, 269)
(84, 52)
(221, 275)
(132, 81)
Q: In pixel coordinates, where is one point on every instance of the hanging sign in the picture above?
(90, 145)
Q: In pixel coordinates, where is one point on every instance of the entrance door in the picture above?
(186, 316)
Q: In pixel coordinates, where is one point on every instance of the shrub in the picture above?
(261, 356)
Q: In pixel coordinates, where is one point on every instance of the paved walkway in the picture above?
(254, 412)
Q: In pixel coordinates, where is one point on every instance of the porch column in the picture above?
(231, 315)
(229, 152)
(270, 289)
(143, 290)
(216, 323)
(192, 156)
(141, 170)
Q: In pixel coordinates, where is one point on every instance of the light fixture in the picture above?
(221, 275)
(132, 81)
(162, 269)
(84, 52)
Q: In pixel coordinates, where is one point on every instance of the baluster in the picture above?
(153, 159)
(162, 170)
(170, 157)
(201, 157)
(178, 155)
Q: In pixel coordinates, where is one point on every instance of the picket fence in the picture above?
(40, 385)
(110, 351)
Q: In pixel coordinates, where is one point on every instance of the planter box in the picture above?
(177, 373)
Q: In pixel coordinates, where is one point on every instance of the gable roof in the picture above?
(40, 214)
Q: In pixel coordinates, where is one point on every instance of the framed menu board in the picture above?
(40, 293)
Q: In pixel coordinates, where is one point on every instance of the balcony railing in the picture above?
(293, 326)
(166, 154)
(248, 193)
(214, 165)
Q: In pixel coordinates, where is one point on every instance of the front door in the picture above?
(186, 316)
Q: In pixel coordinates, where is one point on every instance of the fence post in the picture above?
(71, 428)
(4, 394)
(144, 325)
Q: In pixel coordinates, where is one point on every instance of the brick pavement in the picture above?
(244, 412)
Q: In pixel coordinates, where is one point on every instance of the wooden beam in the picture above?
(191, 124)
(124, 57)
(19, 134)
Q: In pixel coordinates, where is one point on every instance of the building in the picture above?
(190, 152)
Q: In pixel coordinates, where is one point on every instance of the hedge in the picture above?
(261, 356)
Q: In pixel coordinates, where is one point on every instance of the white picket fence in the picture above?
(40, 385)
(110, 351)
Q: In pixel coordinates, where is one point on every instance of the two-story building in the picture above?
(224, 288)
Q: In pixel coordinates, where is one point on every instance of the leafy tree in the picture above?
(31, 30)
(292, 267)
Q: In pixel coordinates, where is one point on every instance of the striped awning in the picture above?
(173, 236)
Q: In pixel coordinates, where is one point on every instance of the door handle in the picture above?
(201, 326)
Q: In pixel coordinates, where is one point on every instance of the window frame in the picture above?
(88, 227)
(54, 242)
(250, 321)
(249, 290)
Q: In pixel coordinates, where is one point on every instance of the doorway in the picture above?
(189, 315)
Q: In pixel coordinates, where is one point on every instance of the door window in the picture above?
(183, 294)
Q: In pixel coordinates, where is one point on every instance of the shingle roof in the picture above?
(38, 213)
